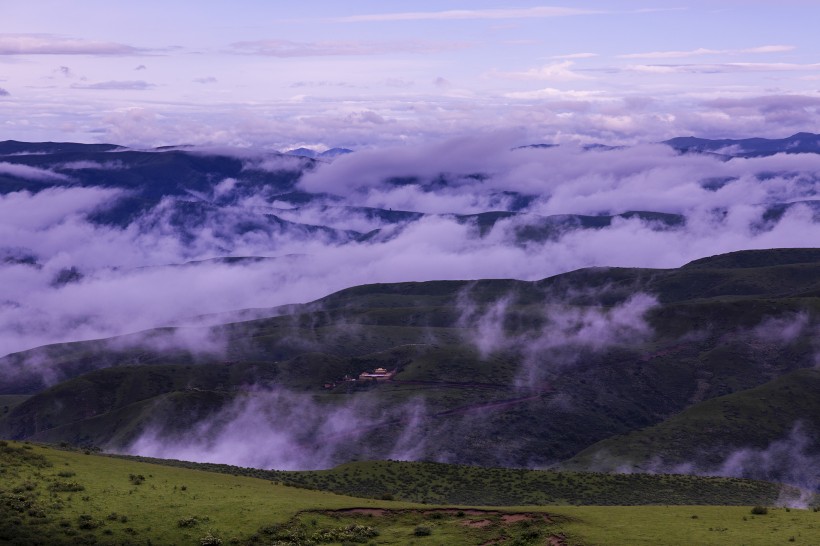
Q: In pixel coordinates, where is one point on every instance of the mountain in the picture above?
(313, 154)
(335, 152)
(491, 372)
(799, 143)
(303, 152)
(17, 148)
(145, 177)
(485, 371)
(739, 425)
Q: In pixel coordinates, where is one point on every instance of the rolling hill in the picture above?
(716, 328)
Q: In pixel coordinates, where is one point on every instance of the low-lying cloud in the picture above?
(125, 282)
(277, 429)
(30, 173)
(564, 333)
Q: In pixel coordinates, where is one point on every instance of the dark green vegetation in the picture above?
(438, 483)
(721, 363)
(751, 418)
(116, 501)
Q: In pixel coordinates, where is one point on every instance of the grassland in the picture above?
(437, 483)
(55, 497)
(691, 525)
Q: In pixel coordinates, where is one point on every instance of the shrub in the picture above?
(422, 531)
(85, 521)
(210, 539)
(190, 521)
(61, 486)
(25, 486)
(760, 510)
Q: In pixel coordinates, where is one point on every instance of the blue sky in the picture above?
(363, 74)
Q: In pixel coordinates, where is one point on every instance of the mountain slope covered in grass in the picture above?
(492, 372)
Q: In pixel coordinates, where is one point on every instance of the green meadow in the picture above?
(53, 496)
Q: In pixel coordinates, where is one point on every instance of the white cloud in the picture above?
(29, 173)
(287, 48)
(449, 15)
(720, 68)
(49, 44)
(131, 85)
(571, 56)
(558, 94)
(705, 51)
(555, 71)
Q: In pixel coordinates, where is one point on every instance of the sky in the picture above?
(366, 74)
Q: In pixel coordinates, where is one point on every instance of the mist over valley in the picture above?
(221, 306)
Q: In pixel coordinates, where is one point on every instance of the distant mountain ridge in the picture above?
(313, 154)
(798, 143)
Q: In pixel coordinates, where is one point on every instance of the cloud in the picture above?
(571, 56)
(320, 83)
(286, 48)
(442, 83)
(765, 103)
(141, 67)
(208, 79)
(4, 93)
(720, 68)
(276, 429)
(558, 94)
(126, 286)
(398, 83)
(30, 173)
(555, 72)
(449, 15)
(132, 85)
(91, 165)
(50, 44)
(565, 333)
(704, 51)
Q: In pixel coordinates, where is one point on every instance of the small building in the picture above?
(379, 374)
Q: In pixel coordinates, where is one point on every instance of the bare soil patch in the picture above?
(477, 523)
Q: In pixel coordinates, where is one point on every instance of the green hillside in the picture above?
(722, 325)
(708, 432)
(58, 497)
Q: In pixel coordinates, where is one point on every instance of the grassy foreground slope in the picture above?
(54, 497)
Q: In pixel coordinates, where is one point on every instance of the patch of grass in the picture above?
(674, 526)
